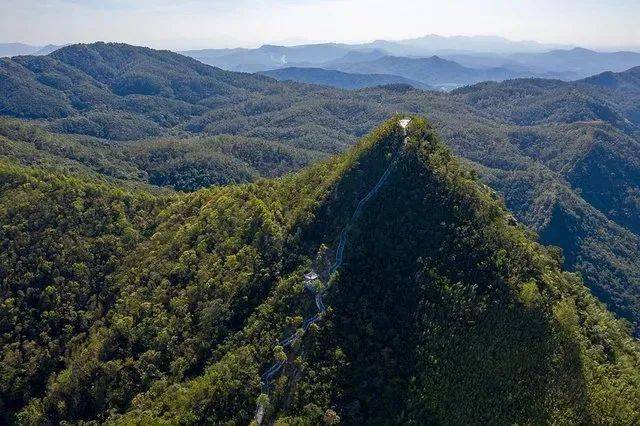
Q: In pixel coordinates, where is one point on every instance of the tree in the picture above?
(331, 417)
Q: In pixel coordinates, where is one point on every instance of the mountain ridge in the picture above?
(434, 70)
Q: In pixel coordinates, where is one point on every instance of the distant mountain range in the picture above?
(582, 62)
(15, 49)
(270, 56)
(434, 71)
(340, 79)
(447, 62)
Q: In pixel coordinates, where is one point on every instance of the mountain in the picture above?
(569, 166)
(358, 56)
(433, 71)
(437, 44)
(268, 56)
(122, 92)
(578, 61)
(340, 79)
(563, 155)
(49, 48)
(15, 49)
(625, 82)
(141, 308)
(620, 89)
(498, 56)
(566, 65)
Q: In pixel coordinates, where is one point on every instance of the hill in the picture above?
(433, 71)
(563, 155)
(186, 165)
(267, 57)
(192, 314)
(579, 61)
(340, 79)
(122, 92)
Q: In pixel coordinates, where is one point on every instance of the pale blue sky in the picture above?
(223, 23)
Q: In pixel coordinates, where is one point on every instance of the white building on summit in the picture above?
(310, 276)
(404, 123)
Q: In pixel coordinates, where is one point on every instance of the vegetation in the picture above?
(443, 310)
(433, 71)
(563, 155)
(62, 240)
(184, 164)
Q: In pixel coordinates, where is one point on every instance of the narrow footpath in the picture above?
(269, 375)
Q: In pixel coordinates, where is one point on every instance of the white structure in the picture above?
(259, 414)
(310, 276)
(404, 123)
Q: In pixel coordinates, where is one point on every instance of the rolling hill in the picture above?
(185, 165)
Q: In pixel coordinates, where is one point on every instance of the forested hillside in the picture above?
(563, 155)
(443, 311)
(122, 92)
(62, 239)
(185, 164)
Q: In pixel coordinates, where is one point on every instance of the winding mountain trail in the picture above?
(268, 376)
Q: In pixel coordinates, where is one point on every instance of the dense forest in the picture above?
(563, 155)
(128, 304)
(185, 164)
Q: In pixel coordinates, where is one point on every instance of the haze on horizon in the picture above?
(233, 23)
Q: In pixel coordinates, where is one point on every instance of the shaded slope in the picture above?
(559, 136)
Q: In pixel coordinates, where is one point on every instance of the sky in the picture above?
(175, 24)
